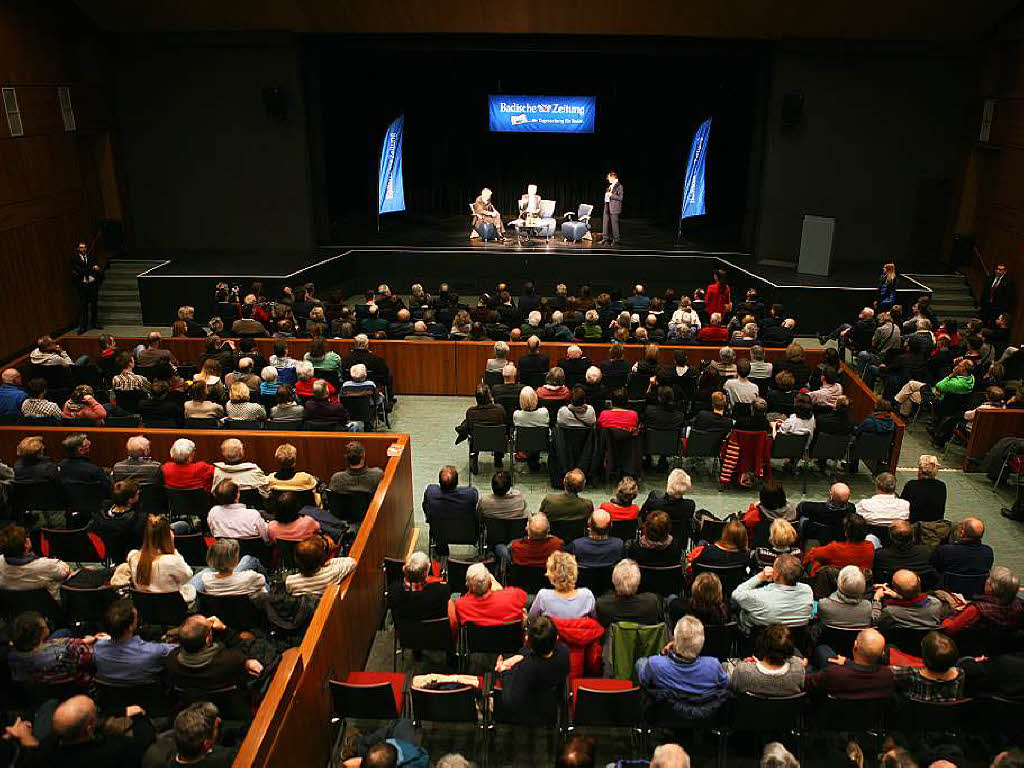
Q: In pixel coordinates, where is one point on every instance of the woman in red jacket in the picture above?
(718, 296)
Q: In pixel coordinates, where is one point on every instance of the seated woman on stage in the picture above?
(484, 212)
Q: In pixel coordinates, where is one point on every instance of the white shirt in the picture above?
(236, 521)
(333, 571)
(741, 391)
(168, 573)
(40, 573)
(536, 418)
(238, 583)
(883, 509)
(687, 317)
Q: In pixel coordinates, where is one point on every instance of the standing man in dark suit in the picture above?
(612, 209)
(997, 296)
(87, 275)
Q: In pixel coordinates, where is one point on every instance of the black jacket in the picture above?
(533, 367)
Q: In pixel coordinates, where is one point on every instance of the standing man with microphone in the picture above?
(86, 274)
(612, 209)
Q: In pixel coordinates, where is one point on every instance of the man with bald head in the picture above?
(11, 393)
(74, 741)
(903, 552)
(904, 605)
(534, 548)
(597, 549)
(965, 554)
(830, 512)
(533, 366)
(861, 677)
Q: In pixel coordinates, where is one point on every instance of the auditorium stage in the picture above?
(648, 254)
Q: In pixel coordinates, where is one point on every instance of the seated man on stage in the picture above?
(529, 205)
(484, 211)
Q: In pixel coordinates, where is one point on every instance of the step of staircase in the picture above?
(951, 296)
(119, 302)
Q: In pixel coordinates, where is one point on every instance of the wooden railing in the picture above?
(430, 367)
(292, 727)
(989, 427)
(862, 403)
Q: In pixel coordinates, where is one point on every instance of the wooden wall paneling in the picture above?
(862, 403)
(991, 426)
(342, 631)
(319, 453)
(266, 724)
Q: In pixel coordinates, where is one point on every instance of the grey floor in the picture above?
(430, 421)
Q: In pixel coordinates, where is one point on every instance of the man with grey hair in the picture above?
(415, 595)
(847, 606)
(575, 365)
(377, 369)
(926, 494)
(500, 359)
(486, 603)
(670, 756)
(885, 507)
(182, 471)
(774, 596)
(998, 612)
(139, 466)
(454, 760)
(320, 408)
(680, 672)
(777, 756)
(625, 603)
(78, 467)
(359, 384)
(193, 741)
(245, 374)
(245, 474)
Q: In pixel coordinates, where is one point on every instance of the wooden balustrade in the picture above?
(429, 367)
(862, 403)
(991, 426)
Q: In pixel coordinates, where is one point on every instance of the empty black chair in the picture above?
(322, 426)
(243, 424)
(967, 584)
(461, 530)
(493, 377)
(283, 425)
(500, 638)
(152, 499)
(84, 499)
(704, 445)
(197, 423)
(789, 446)
(906, 639)
(161, 423)
(256, 547)
(782, 715)
(192, 547)
(114, 699)
(86, 605)
(569, 530)
(447, 705)
(15, 601)
(491, 438)
(238, 612)
(662, 442)
(819, 532)
(626, 529)
(606, 704)
(422, 635)
(500, 531)
(122, 422)
(129, 399)
(350, 506)
(252, 498)
(70, 545)
(368, 696)
(163, 609)
(529, 578)
(935, 716)
(531, 440)
(872, 446)
(662, 580)
(361, 408)
(284, 552)
(185, 503)
(827, 447)
(839, 639)
(834, 714)
(597, 580)
(37, 497)
(721, 640)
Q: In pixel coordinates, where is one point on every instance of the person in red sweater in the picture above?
(182, 471)
(853, 549)
(623, 506)
(714, 332)
(619, 415)
(718, 296)
(533, 550)
(998, 610)
(486, 603)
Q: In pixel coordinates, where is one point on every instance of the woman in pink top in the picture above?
(554, 386)
(287, 522)
(82, 405)
(619, 416)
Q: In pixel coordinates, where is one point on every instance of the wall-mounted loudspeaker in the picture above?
(792, 109)
(275, 101)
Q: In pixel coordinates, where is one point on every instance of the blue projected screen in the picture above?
(542, 114)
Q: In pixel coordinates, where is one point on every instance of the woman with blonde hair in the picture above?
(926, 493)
(287, 478)
(156, 566)
(782, 540)
(564, 601)
(240, 408)
(528, 414)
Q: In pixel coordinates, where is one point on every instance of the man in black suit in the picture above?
(829, 513)
(903, 553)
(612, 209)
(375, 365)
(87, 275)
(533, 366)
(997, 296)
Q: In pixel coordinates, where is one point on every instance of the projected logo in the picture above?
(542, 114)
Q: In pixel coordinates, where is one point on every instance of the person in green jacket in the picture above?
(959, 382)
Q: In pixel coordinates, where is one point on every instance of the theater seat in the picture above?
(366, 695)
